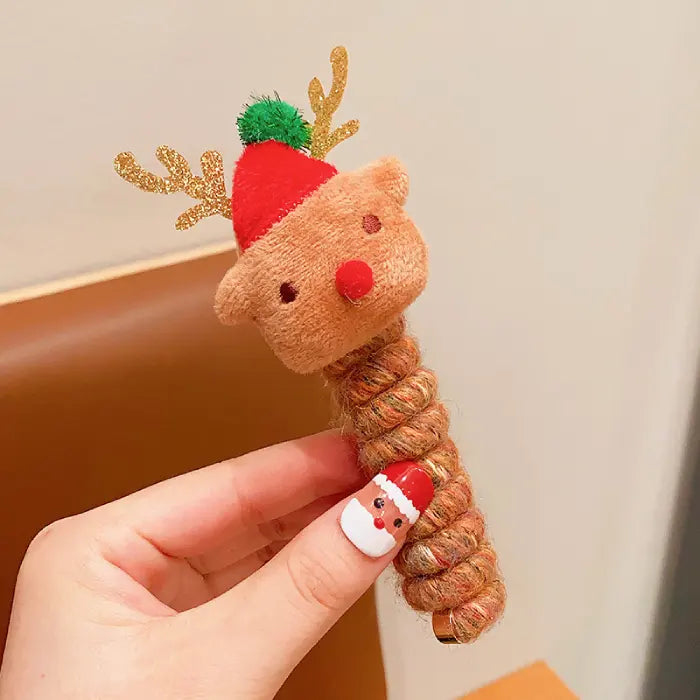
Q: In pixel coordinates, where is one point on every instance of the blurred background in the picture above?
(554, 153)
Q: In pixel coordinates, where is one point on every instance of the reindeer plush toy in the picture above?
(328, 262)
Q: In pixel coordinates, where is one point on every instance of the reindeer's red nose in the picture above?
(354, 279)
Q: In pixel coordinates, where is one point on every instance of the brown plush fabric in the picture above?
(304, 250)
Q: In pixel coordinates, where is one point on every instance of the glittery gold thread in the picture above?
(324, 106)
(209, 188)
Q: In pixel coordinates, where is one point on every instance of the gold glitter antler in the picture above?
(210, 187)
(323, 106)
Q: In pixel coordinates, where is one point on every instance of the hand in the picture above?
(192, 587)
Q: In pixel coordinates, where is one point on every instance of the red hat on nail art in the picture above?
(408, 486)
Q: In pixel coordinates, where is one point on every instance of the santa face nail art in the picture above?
(378, 517)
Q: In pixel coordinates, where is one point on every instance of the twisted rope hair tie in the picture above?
(389, 401)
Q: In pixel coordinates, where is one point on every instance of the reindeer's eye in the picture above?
(288, 292)
(371, 223)
(398, 522)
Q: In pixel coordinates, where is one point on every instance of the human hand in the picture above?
(192, 588)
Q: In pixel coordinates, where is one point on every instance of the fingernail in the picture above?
(378, 517)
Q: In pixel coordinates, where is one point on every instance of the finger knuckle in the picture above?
(266, 554)
(275, 530)
(251, 514)
(49, 540)
(316, 583)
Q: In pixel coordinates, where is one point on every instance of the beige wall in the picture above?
(554, 153)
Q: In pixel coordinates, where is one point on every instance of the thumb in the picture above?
(289, 604)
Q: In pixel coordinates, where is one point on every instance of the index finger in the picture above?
(191, 513)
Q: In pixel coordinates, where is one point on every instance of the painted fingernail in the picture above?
(379, 516)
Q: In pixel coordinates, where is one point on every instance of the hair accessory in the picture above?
(324, 106)
(328, 263)
(210, 187)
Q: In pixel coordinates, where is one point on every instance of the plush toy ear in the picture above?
(231, 303)
(389, 175)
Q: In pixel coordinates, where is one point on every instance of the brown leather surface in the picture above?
(111, 387)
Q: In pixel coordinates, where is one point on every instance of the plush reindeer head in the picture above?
(327, 259)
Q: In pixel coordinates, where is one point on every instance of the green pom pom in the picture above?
(271, 118)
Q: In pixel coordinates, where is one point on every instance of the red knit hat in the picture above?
(273, 175)
(408, 486)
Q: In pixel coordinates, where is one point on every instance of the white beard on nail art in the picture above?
(358, 525)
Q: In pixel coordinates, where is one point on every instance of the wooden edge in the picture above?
(534, 682)
(63, 284)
